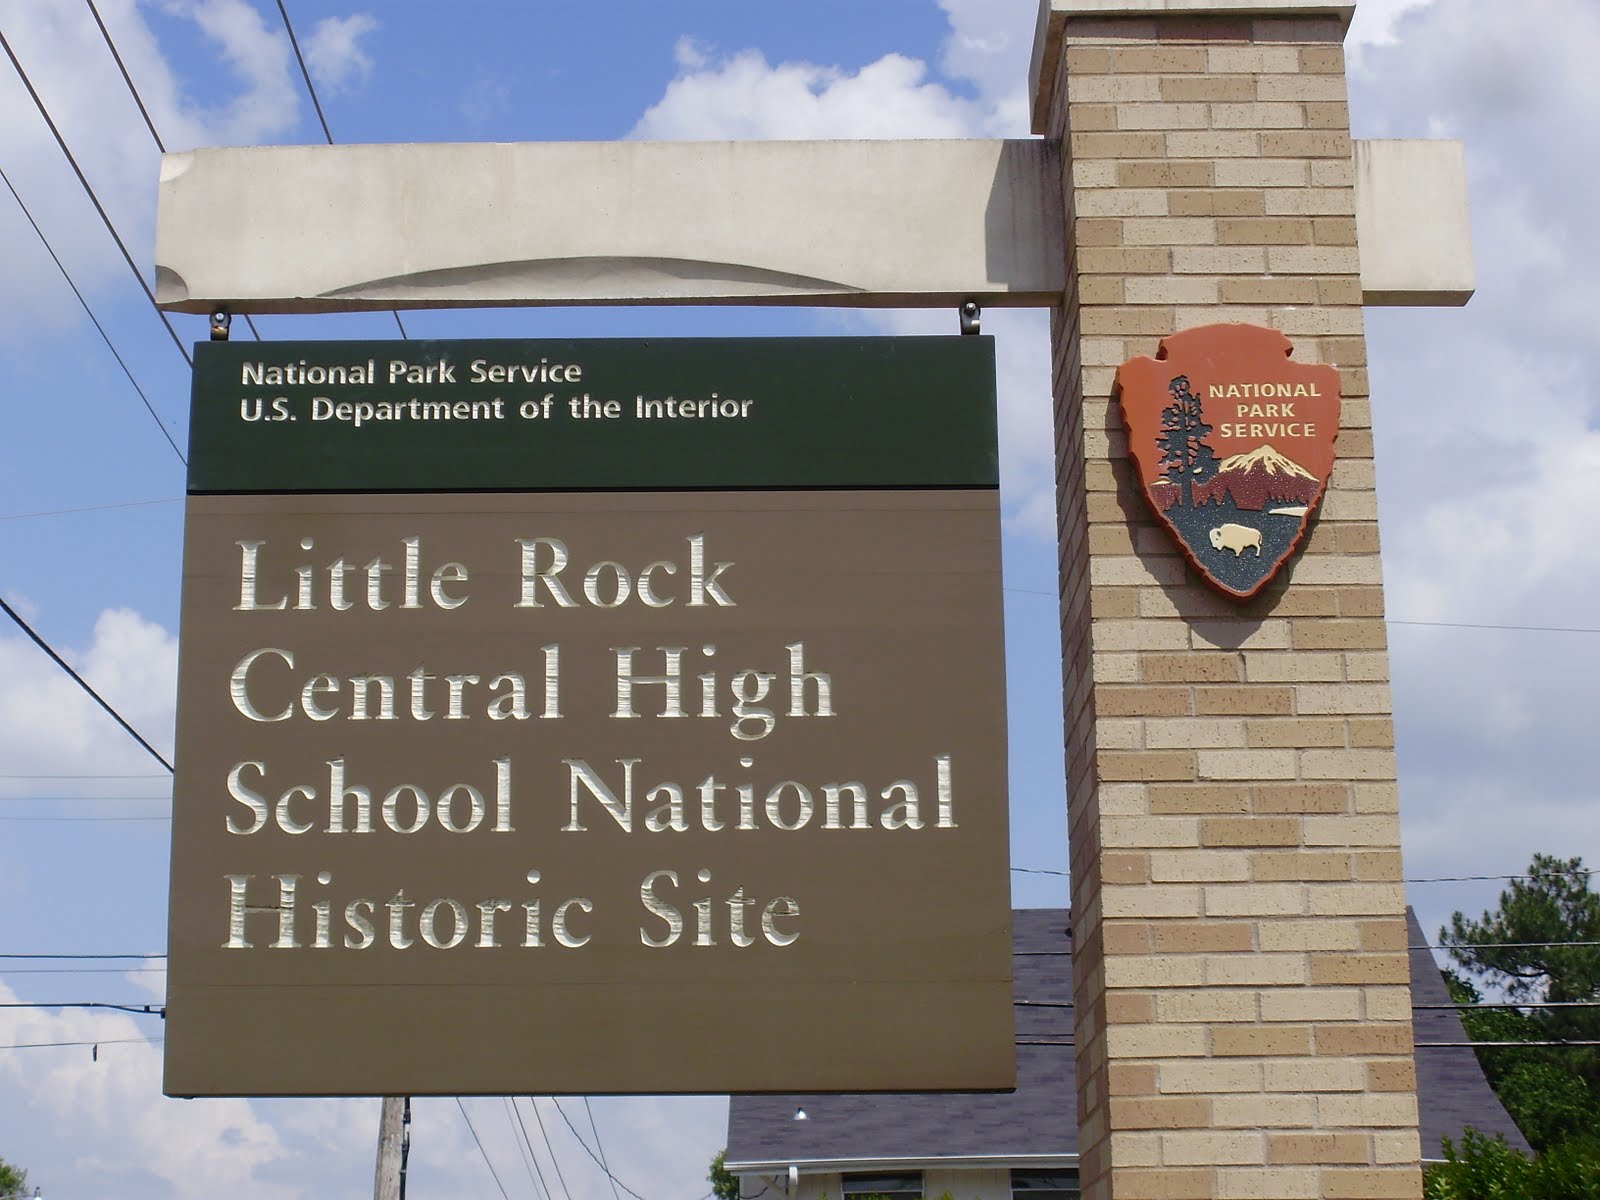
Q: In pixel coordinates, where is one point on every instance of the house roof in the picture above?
(1036, 1124)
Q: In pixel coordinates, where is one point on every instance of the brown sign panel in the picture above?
(1233, 444)
(590, 791)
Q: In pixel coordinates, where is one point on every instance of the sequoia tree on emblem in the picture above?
(1233, 444)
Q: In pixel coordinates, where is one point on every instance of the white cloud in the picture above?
(333, 51)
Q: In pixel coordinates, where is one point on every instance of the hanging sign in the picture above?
(1233, 444)
(591, 717)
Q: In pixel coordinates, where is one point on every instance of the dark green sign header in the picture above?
(604, 414)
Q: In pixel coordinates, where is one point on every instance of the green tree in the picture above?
(724, 1184)
(1524, 950)
(12, 1179)
(1488, 1169)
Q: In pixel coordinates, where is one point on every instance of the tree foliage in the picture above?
(12, 1179)
(1487, 1169)
(724, 1184)
(1552, 1092)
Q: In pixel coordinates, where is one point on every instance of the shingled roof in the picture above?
(1036, 1124)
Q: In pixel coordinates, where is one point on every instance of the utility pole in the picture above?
(389, 1180)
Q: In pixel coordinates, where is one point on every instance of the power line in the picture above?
(591, 1153)
(1511, 628)
(79, 679)
(38, 103)
(527, 1155)
(481, 1150)
(83, 970)
(144, 112)
(603, 1165)
(99, 328)
(311, 90)
(74, 957)
(138, 1010)
(62, 512)
(555, 1162)
(101, 1042)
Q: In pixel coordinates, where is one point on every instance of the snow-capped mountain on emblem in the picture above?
(1233, 444)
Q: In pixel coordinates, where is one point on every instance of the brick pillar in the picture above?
(1242, 995)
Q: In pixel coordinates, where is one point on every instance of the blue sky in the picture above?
(1488, 426)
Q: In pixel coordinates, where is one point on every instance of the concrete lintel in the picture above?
(1054, 15)
(869, 223)
(1412, 223)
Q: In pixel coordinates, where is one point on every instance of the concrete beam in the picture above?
(1412, 223)
(868, 223)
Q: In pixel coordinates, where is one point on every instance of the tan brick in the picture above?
(1322, 799)
(1143, 831)
(1311, 1004)
(1322, 60)
(1192, 1147)
(1392, 1076)
(1164, 1183)
(1198, 866)
(1207, 1006)
(1208, 89)
(1313, 260)
(1256, 115)
(1130, 1008)
(1217, 202)
(1128, 320)
(1132, 1148)
(1192, 733)
(1146, 765)
(1099, 118)
(1269, 291)
(1382, 831)
(1143, 701)
(1122, 866)
(1192, 668)
(1355, 698)
(1122, 202)
(1182, 1078)
(1175, 289)
(1125, 938)
(1245, 764)
(1139, 635)
(1169, 231)
(1160, 1112)
(1267, 1183)
(1250, 831)
(1110, 89)
(1158, 60)
(1373, 1183)
(1263, 231)
(1130, 1079)
(1351, 1041)
(1255, 970)
(1163, 116)
(1305, 143)
(1174, 799)
(1149, 900)
(1257, 900)
(1118, 145)
(1317, 1148)
(1300, 87)
(1219, 260)
(1397, 1146)
(1379, 866)
(1312, 1075)
(1212, 937)
(1359, 968)
(1264, 1041)
(1163, 174)
(1265, 667)
(1242, 701)
(1378, 1109)
(1092, 60)
(1264, 1112)
(1299, 732)
(1347, 764)
(1288, 867)
(1253, 60)
(1155, 973)
(1214, 144)
(1118, 260)
(1156, 1041)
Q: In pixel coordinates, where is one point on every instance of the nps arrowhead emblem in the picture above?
(1233, 445)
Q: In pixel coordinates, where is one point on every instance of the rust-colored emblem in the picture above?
(1233, 444)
